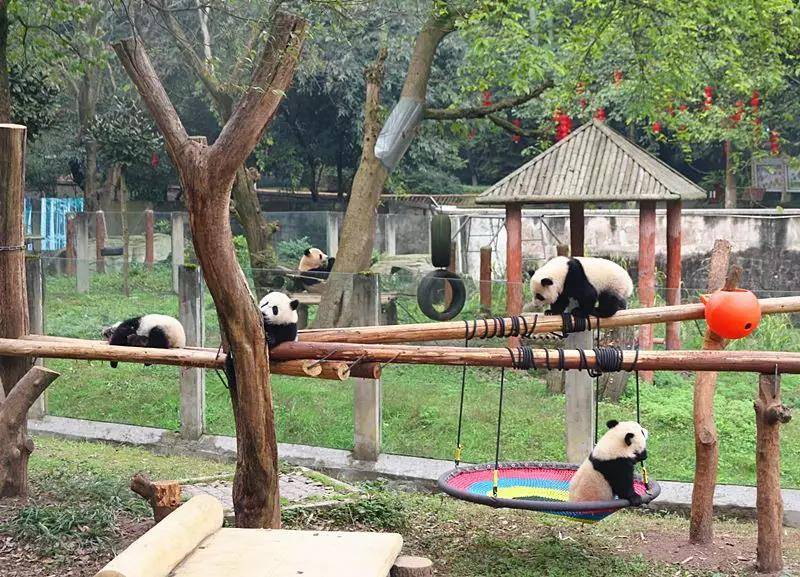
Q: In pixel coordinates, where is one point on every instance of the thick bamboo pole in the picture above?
(544, 324)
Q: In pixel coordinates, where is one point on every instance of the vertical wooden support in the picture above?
(647, 272)
(701, 525)
(579, 409)
(100, 240)
(390, 233)
(178, 247)
(69, 250)
(452, 267)
(673, 334)
(149, 238)
(770, 413)
(82, 273)
(577, 225)
(13, 294)
(367, 398)
(193, 382)
(333, 233)
(35, 292)
(486, 280)
(513, 263)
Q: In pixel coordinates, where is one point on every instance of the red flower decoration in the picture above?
(487, 97)
(656, 127)
(600, 114)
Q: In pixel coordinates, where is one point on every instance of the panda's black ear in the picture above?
(307, 252)
(294, 303)
(547, 281)
(629, 439)
(612, 423)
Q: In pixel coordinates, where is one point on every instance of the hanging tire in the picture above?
(440, 240)
(427, 289)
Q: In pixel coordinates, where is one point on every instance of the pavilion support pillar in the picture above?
(576, 228)
(647, 271)
(673, 335)
(513, 263)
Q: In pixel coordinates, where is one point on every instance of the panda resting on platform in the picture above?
(156, 331)
(315, 266)
(586, 285)
(609, 469)
(279, 314)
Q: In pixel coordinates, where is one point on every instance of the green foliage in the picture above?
(290, 251)
(126, 133)
(34, 98)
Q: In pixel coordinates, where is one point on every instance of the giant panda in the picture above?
(587, 285)
(315, 266)
(157, 331)
(279, 315)
(609, 469)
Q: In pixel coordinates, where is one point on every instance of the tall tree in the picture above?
(207, 174)
(5, 91)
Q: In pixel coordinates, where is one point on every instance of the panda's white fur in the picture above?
(609, 469)
(313, 258)
(278, 309)
(563, 285)
(171, 327)
(153, 330)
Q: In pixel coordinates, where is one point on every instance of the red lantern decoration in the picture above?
(774, 143)
(736, 117)
(600, 114)
(154, 160)
(516, 138)
(617, 77)
(487, 97)
(656, 127)
(755, 101)
(563, 124)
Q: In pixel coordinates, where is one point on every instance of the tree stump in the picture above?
(408, 566)
(163, 496)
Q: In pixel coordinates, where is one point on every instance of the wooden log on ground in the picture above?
(770, 413)
(701, 527)
(454, 330)
(163, 496)
(409, 566)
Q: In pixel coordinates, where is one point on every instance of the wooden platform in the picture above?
(314, 298)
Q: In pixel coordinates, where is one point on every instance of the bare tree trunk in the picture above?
(207, 175)
(126, 237)
(87, 108)
(258, 231)
(5, 90)
(358, 226)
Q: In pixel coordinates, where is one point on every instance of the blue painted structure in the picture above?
(52, 218)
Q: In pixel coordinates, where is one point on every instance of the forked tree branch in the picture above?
(258, 104)
(509, 126)
(137, 64)
(21, 398)
(483, 111)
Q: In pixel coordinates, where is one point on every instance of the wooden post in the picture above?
(193, 381)
(673, 334)
(149, 238)
(770, 413)
(562, 250)
(163, 496)
(35, 290)
(178, 247)
(408, 566)
(13, 292)
(701, 526)
(486, 280)
(367, 397)
(332, 228)
(100, 240)
(647, 271)
(390, 233)
(452, 267)
(82, 273)
(513, 263)
(577, 226)
(69, 249)
(579, 409)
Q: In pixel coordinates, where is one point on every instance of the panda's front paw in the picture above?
(635, 500)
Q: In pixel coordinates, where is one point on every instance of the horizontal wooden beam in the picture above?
(731, 361)
(45, 346)
(544, 324)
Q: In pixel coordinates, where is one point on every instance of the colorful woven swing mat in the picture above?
(532, 484)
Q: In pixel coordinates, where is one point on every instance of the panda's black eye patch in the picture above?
(275, 310)
(547, 281)
(539, 297)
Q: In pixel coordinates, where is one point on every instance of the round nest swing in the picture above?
(534, 486)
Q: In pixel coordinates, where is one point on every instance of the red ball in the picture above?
(732, 314)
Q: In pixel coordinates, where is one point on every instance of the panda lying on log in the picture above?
(156, 331)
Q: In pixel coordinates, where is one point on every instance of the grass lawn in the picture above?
(420, 403)
(81, 513)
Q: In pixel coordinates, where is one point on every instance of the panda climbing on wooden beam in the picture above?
(279, 314)
(586, 285)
